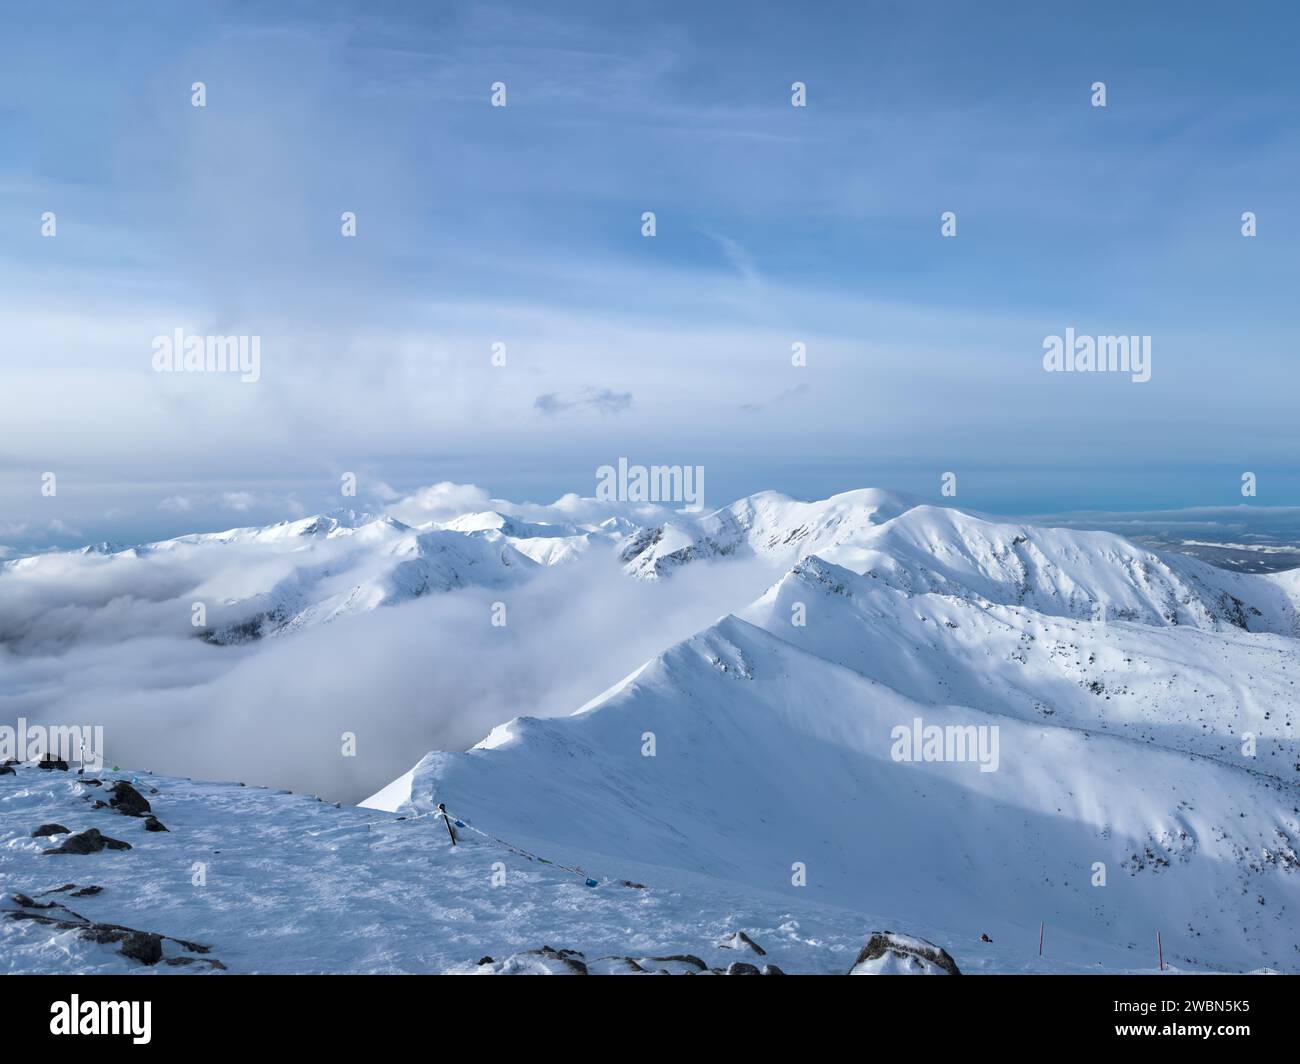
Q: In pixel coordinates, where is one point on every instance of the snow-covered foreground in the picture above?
(293, 884)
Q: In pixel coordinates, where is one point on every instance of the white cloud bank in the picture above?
(107, 640)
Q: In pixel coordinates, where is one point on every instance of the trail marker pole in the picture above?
(1040, 938)
(1160, 951)
(447, 820)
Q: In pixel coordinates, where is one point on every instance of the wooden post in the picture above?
(1040, 938)
(1160, 951)
(447, 820)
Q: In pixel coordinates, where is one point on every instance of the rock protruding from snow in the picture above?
(740, 940)
(887, 953)
(549, 961)
(544, 961)
(128, 801)
(88, 841)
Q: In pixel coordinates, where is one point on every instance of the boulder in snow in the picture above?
(887, 953)
(88, 841)
(126, 799)
(740, 940)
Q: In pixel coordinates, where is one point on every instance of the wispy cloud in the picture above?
(603, 401)
(777, 400)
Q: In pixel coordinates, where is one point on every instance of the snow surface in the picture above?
(294, 884)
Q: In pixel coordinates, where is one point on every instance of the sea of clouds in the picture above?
(90, 639)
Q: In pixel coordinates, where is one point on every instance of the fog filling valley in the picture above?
(432, 673)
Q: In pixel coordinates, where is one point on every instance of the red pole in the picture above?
(1040, 938)
(1160, 951)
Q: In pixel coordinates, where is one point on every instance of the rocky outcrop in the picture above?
(146, 947)
(887, 953)
(740, 940)
(548, 961)
(127, 800)
(88, 841)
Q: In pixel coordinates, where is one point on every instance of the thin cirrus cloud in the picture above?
(602, 401)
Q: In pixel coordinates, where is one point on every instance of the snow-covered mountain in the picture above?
(957, 723)
(263, 581)
(1145, 709)
(917, 547)
(768, 523)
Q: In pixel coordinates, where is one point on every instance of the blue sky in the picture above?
(522, 225)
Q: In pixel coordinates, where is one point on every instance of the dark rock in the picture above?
(103, 934)
(99, 805)
(740, 940)
(88, 892)
(46, 830)
(31, 903)
(482, 960)
(903, 947)
(48, 763)
(180, 962)
(126, 799)
(5, 770)
(570, 958)
(152, 823)
(142, 946)
(627, 963)
(684, 958)
(985, 938)
(741, 968)
(772, 969)
(88, 841)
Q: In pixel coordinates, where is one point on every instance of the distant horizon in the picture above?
(204, 513)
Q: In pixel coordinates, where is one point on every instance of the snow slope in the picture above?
(767, 755)
(292, 884)
(1182, 688)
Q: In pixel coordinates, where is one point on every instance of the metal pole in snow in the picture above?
(1040, 938)
(1160, 951)
(447, 820)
